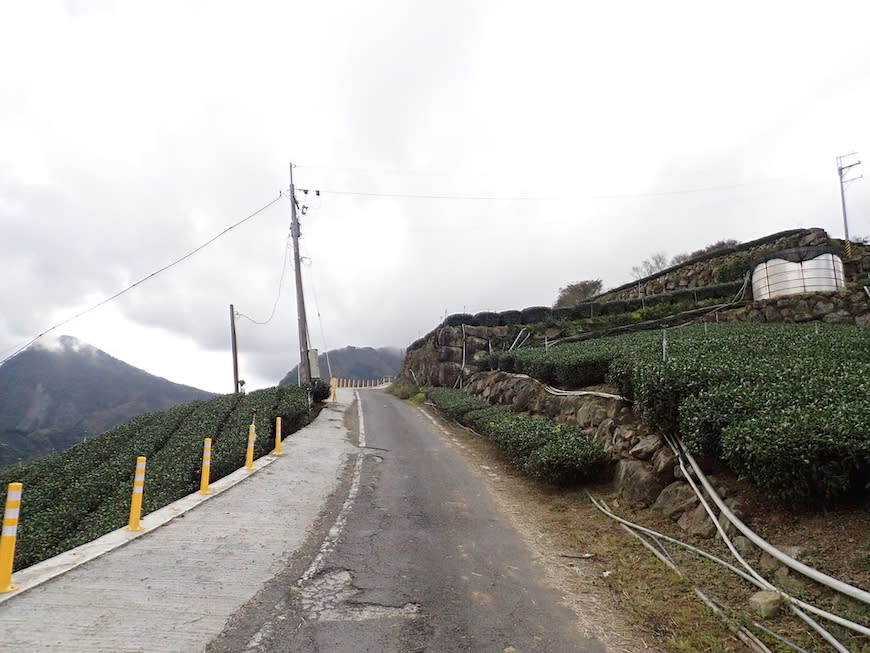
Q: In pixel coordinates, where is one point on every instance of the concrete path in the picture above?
(173, 588)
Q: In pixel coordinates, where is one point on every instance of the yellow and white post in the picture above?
(278, 451)
(9, 537)
(136, 500)
(249, 455)
(205, 475)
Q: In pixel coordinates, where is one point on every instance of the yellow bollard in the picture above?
(9, 536)
(136, 500)
(206, 467)
(278, 451)
(249, 456)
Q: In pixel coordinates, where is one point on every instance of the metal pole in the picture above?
(304, 363)
(843, 202)
(235, 349)
(841, 169)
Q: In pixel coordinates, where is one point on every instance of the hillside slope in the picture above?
(364, 363)
(52, 398)
(78, 495)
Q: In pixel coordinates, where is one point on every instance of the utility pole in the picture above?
(304, 363)
(235, 350)
(841, 171)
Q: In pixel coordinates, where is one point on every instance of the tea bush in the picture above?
(547, 450)
(82, 493)
(768, 399)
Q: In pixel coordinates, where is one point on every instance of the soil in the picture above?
(631, 601)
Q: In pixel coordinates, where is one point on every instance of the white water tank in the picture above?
(796, 271)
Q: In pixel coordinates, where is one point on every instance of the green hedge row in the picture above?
(547, 450)
(780, 404)
(649, 308)
(82, 493)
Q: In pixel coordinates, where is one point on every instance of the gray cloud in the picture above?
(130, 135)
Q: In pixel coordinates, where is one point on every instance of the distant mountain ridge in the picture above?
(364, 363)
(53, 397)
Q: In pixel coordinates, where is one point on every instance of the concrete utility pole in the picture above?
(235, 349)
(304, 363)
(841, 171)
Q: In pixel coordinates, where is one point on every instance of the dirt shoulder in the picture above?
(628, 599)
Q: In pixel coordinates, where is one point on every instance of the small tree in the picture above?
(574, 293)
(655, 263)
(709, 249)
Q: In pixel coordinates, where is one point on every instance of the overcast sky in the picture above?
(131, 132)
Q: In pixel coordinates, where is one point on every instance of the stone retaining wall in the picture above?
(712, 268)
(644, 467)
(846, 306)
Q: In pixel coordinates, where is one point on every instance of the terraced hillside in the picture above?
(82, 493)
(784, 405)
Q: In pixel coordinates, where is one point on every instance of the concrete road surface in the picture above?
(411, 555)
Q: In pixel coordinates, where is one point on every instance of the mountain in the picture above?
(355, 363)
(53, 397)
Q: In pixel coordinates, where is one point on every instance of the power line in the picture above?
(505, 198)
(278, 296)
(436, 197)
(142, 280)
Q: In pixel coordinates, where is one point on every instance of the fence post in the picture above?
(249, 455)
(136, 500)
(9, 537)
(206, 467)
(278, 451)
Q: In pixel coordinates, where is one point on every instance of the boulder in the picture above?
(645, 449)
(743, 545)
(838, 317)
(789, 582)
(639, 485)
(697, 522)
(675, 499)
(663, 462)
(604, 435)
(623, 439)
(769, 563)
(765, 603)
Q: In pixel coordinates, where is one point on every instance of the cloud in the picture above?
(133, 133)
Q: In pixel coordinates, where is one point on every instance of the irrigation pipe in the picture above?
(764, 583)
(740, 632)
(810, 572)
(568, 393)
(811, 608)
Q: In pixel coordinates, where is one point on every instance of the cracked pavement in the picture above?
(423, 561)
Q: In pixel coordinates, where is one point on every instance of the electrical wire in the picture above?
(499, 198)
(278, 295)
(140, 281)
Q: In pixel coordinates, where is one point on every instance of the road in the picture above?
(411, 555)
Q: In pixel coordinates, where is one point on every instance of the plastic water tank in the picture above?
(795, 271)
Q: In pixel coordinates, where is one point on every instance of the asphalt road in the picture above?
(411, 555)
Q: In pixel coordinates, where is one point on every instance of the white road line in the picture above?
(362, 427)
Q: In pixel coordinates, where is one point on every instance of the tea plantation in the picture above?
(80, 494)
(784, 405)
(545, 449)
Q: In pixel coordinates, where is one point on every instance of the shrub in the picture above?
(547, 450)
(567, 460)
(718, 380)
(535, 314)
(487, 319)
(803, 452)
(458, 319)
(84, 492)
(509, 318)
(403, 388)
